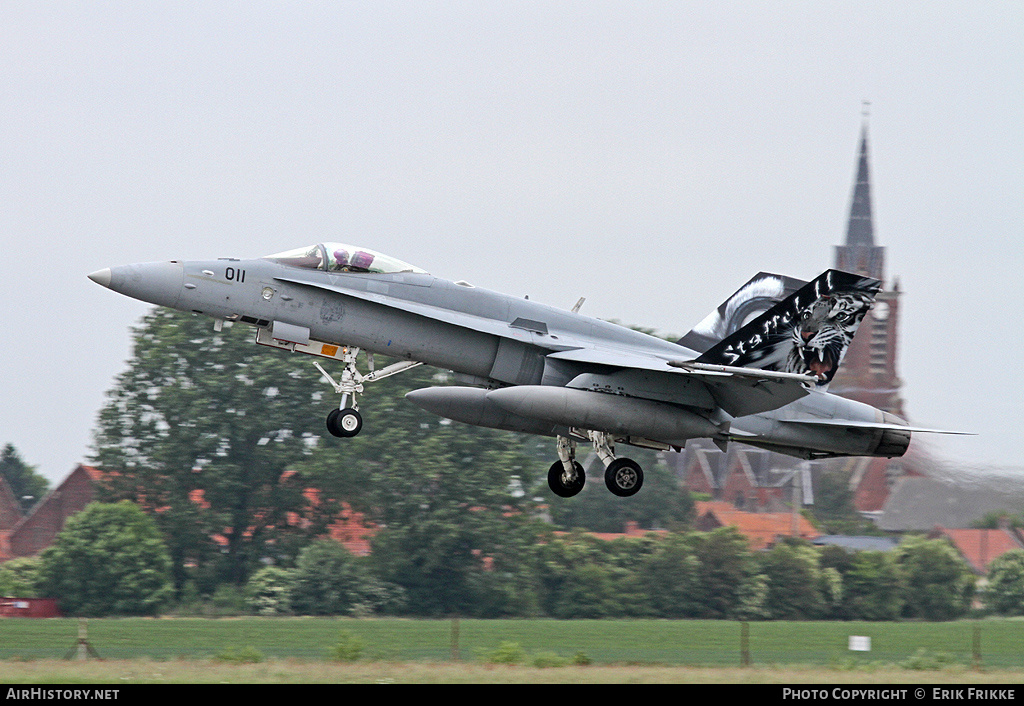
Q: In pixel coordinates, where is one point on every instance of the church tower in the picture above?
(868, 373)
(757, 479)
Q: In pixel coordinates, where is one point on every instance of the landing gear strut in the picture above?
(345, 421)
(622, 476)
(566, 475)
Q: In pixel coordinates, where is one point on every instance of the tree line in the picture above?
(220, 477)
(111, 560)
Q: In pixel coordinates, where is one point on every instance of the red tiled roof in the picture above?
(760, 528)
(632, 530)
(94, 474)
(979, 547)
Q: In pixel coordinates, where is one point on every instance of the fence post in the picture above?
(977, 647)
(455, 638)
(744, 644)
(82, 649)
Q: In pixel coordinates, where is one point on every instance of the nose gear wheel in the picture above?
(344, 423)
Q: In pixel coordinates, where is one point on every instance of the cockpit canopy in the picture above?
(338, 257)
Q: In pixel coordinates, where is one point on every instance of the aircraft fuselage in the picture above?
(524, 366)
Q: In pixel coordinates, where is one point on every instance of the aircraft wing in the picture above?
(738, 391)
(613, 357)
(448, 316)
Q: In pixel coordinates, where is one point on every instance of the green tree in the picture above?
(835, 557)
(752, 598)
(663, 503)
(201, 429)
(329, 580)
(671, 576)
(873, 587)
(108, 560)
(724, 559)
(1004, 593)
(27, 486)
(576, 577)
(20, 578)
(456, 522)
(998, 519)
(941, 584)
(794, 582)
(269, 591)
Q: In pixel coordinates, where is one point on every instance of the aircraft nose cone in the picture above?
(154, 282)
(101, 277)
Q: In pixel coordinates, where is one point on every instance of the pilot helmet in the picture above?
(362, 260)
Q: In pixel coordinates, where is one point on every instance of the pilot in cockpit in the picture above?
(338, 257)
(340, 260)
(362, 260)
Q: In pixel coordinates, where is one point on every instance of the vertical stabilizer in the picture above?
(806, 333)
(763, 291)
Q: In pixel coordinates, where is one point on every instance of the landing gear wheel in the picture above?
(563, 486)
(624, 477)
(344, 423)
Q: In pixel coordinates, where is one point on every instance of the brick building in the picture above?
(37, 530)
(29, 534)
(10, 516)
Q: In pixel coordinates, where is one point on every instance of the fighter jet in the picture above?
(755, 371)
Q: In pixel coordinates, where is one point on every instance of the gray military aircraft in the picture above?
(754, 371)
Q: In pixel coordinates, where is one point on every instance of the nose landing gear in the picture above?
(346, 422)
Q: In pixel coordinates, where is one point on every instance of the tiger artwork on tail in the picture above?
(806, 333)
(823, 333)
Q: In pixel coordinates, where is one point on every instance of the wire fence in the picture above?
(980, 644)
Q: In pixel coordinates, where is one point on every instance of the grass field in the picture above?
(128, 673)
(670, 642)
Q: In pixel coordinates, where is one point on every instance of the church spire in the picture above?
(859, 229)
(869, 367)
(859, 253)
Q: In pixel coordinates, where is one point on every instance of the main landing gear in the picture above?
(622, 476)
(566, 475)
(345, 422)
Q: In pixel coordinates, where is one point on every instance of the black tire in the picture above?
(344, 423)
(558, 484)
(624, 477)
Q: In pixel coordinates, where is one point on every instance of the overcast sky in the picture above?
(648, 156)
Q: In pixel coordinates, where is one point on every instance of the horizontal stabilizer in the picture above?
(743, 391)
